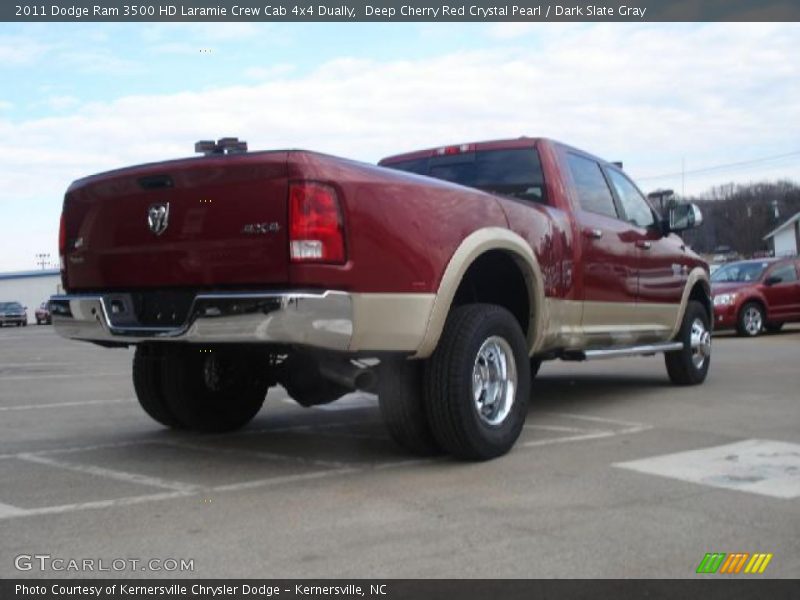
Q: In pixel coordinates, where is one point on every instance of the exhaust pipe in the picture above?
(348, 375)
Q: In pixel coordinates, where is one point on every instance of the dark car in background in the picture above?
(13, 313)
(756, 295)
(42, 314)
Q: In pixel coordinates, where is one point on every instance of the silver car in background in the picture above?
(13, 313)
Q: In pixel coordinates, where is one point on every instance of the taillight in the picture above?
(316, 231)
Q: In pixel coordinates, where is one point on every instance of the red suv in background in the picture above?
(753, 295)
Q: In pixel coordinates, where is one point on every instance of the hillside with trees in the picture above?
(739, 216)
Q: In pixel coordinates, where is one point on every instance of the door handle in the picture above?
(593, 233)
(644, 244)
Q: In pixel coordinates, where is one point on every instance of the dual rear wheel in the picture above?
(470, 398)
(187, 387)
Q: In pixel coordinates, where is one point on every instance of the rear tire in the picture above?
(148, 364)
(751, 320)
(401, 402)
(214, 390)
(689, 366)
(477, 382)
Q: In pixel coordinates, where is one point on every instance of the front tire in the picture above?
(751, 320)
(214, 390)
(689, 366)
(477, 383)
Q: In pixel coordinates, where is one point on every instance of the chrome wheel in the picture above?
(701, 343)
(494, 380)
(752, 320)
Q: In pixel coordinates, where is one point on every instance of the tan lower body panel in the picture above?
(398, 323)
(390, 322)
(579, 325)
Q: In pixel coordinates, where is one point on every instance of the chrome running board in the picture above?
(622, 351)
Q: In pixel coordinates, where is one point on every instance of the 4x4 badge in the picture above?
(158, 217)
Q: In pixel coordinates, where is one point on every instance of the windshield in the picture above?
(515, 173)
(739, 272)
(10, 306)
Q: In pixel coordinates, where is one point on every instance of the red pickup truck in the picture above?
(439, 279)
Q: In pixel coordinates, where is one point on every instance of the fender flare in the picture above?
(698, 274)
(474, 245)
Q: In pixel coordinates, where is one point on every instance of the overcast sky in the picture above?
(81, 98)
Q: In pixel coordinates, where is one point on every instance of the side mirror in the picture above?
(773, 279)
(684, 216)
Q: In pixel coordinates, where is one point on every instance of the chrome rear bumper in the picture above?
(320, 319)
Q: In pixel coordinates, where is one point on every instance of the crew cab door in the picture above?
(783, 297)
(608, 253)
(661, 267)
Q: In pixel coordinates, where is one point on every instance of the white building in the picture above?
(785, 239)
(29, 288)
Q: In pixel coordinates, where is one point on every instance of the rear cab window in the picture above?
(513, 172)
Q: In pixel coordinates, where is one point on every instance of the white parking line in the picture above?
(6, 511)
(40, 362)
(136, 478)
(570, 438)
(256, 483)
(97, 504)
(86, 448)
(560, 429)
(629, 427)
(595, 419)
(254, 454)
(63, 376)
(72, 449)
(61, 404)
(233, 434)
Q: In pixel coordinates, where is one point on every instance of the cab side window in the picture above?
(591, 186)
(636, 208)
(786, 272)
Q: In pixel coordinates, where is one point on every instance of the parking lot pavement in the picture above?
(603, 483)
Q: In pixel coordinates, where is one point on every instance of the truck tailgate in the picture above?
(201, 222)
